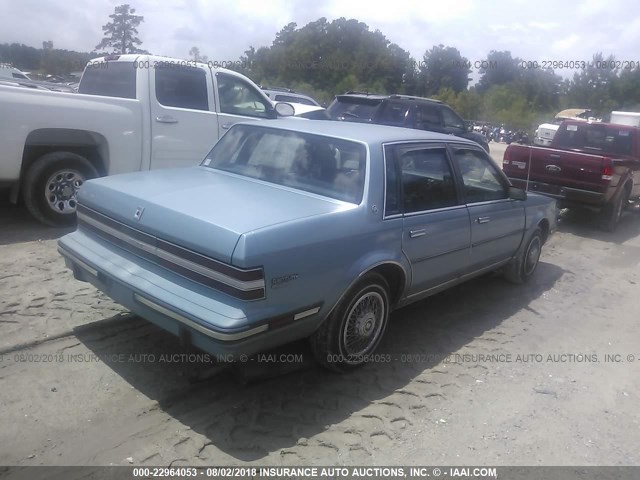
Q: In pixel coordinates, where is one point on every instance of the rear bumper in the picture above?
(566, 196)
(204, 321)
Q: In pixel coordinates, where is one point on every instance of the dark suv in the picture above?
(402, 111)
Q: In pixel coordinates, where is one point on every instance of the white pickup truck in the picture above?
(131, 113)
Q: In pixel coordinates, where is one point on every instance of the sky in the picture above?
(539, 30)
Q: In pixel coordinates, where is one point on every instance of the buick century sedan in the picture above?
(304, 229)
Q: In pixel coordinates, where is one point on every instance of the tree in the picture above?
(443, 67)
(195, 54)
(120, 33)
(499, 68)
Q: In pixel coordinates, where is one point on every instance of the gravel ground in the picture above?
(485, 373)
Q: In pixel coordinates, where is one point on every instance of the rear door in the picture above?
(436, 232)
(497, 222)
(184, 124)
(239, 101)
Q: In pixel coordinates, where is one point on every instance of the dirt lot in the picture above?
(486, 373)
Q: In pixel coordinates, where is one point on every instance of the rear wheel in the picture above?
(51, 186)
(612, 213)
(355, 327)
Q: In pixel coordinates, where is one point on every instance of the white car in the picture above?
(8, 71)
(289, 96)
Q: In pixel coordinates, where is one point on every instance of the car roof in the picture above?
(377, 96)
(371, 134)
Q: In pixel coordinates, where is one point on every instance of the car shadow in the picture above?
(259, 407)
(18, 226)
(585, 224)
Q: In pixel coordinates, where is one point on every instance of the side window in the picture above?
(392, 199)
(183, 87)
(393, 113)
(238, 97)
(480, 176)
(452, 122)
(427, 182)
(428, 118)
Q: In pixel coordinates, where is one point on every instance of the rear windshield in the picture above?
(110, 79)
(594, 137)
(293, 99)
(325, 166)
(353, 109)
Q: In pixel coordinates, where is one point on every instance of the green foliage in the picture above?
(120, 33)
(443, 67)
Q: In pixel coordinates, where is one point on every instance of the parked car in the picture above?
(588, 165)
(9, 72)
(403, 111)
(132, 112)
(297, 229)
(287, 95)
(310, 112)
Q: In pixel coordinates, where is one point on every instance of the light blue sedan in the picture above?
(304, 229)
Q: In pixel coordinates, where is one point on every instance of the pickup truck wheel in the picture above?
(51, 186)
(521, 269)
(355, 327)
(612, 212)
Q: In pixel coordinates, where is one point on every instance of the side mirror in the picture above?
(285, 109)
(517, 193)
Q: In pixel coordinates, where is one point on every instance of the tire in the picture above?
(611, 213)
(364, 311)
(51, 185)
(522, 268)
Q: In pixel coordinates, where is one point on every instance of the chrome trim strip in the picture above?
(436, 210)
(306, 313)
(212, 274)
(229, 337)
(492, 239)
(76, 260)
(222, 264)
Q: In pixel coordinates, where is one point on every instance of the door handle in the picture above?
(417, 233)
(555, 156)
(226, 126)
(483, 219)
(166, 119)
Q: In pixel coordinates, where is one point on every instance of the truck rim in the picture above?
(364, 324)
(61, 190)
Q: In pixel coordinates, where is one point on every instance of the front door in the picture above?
(239, 101)
(497, 222)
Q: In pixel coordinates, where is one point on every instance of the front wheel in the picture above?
(354, 329)
(521, 269)
(51, 186)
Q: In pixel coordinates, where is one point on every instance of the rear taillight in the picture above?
(607, 168)
(507, 157)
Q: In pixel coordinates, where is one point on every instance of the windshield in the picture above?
(325, 166)
(353, 109)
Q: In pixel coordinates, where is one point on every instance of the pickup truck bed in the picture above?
(590, 165)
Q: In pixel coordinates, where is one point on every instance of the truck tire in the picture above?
(51, 185)
(521, 268)
(612, 212)
(355, 327)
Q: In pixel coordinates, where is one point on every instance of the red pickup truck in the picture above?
(593, 165)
